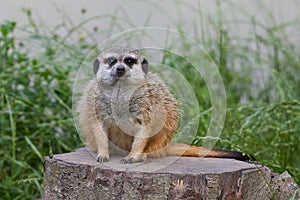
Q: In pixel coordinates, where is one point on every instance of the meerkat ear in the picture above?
(96, 66)
(145, 66)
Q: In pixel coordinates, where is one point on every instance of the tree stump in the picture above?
(77, 175)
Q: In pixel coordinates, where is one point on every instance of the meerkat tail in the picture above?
(178, 149)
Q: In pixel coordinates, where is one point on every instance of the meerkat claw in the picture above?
(128, 160)
(101, 159)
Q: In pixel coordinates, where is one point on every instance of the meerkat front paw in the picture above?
(101, 159)
(133, 158)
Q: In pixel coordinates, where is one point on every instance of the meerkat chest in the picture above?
(119, 109)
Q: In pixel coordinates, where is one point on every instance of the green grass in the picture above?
(35, 94)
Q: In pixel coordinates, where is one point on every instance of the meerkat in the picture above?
(126, 107)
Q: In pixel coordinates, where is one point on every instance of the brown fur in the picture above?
(152, 115)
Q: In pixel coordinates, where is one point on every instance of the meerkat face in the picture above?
(120, 64)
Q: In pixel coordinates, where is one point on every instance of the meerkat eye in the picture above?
(130, 61)
(110, 61)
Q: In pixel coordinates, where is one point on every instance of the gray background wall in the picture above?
(161, 13)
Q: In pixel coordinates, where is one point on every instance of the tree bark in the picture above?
(77, 175)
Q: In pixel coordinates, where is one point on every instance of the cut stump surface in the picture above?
(77, 175)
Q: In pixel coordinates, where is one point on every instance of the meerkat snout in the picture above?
(120, 70)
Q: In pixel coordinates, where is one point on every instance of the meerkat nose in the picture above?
(120, 70)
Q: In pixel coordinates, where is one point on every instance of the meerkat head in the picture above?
(120, 64)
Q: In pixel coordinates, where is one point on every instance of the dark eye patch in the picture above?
(130, 61)
(110, 61)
